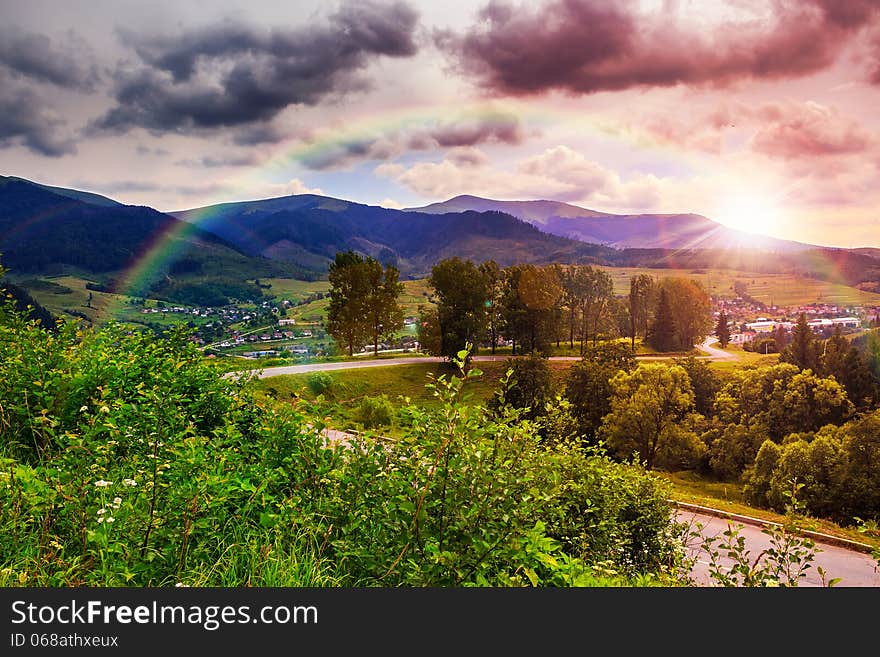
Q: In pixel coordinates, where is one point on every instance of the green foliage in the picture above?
(374, 412)
(528, 386)
(319, 382)
(652, 417)
(588, 384)
(722, 330)
(461, 292)
(835, 470)
(363, 301)
(128, 460)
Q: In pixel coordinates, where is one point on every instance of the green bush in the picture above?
(373, 412)
(319, 382)
(128, 460)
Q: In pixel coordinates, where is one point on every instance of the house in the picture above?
(286, 322)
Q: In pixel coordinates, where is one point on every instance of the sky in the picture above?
(759, 114)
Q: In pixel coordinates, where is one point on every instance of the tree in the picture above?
(588, 384)
(704, 382)
(493, 277)
(596, 288)
(642, 290)
(349, 292)
(691, 307)
(649, 414)
(429, 331)
(530, 385)
(661, 334)
(384, 314)
(722, 331)
(531, 296)
(802, 349)
(461, 294)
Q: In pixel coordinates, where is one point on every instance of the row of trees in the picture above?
(534, 306)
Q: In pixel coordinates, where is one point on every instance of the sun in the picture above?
(750, 213)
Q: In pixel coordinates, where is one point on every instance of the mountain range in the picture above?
(621, 231)
(219, 250)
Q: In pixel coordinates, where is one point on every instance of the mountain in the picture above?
(640, 231)
(46, 230)
(308, 230)
(86, 197)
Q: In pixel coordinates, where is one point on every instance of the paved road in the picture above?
(713, 354)
(854, 568)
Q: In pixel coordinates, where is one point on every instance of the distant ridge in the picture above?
(630, 231)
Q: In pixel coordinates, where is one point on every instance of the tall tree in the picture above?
(722, 330)
(691, 307)
(383, 312)
(661, 334)
(493, 277)
(349, 292)
(641, 293)
(531, 296)
(596, 288)
(461, 294)
(802, 349)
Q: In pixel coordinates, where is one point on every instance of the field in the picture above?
(771, 289)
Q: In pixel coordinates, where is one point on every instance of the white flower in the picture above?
(110, 519)
(101, 519)
(101, 483)
(101, 512)
(83, 409)
(182, 585)
(129, 482)
(117, 501)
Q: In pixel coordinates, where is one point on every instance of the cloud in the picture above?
(587, 46)
(31, 55)
(460, 132)
(258, 133)
(231, 75)
(118, 186)
(219, 161)
(27, 119)
(558, 173)
(146, 150)
(797, 131)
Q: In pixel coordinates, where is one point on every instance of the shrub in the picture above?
(373, 412)
(319, 382)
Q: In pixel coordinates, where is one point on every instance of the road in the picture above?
(713, 354)
(854, 569)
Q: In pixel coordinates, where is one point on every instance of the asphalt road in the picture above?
(713, 354)
(855, 569)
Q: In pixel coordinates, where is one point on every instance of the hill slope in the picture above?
(43, 231)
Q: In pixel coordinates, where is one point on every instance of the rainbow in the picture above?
(165, 247)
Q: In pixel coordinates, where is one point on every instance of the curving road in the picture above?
(713, 353)
(855, 569)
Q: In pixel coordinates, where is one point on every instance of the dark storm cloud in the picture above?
(258, 133)
(25, 119)
(498, 128)
(66, 63)
(234, 75)
(587, 46)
